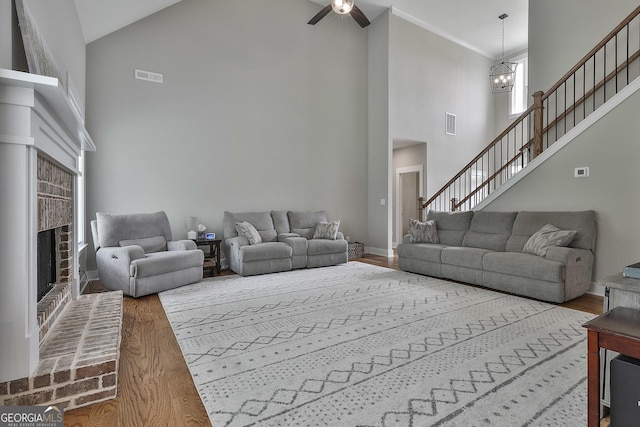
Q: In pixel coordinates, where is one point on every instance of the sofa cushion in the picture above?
(325, 246)
(547, 237)
(261, 221)
(452, 226)
(112, 228)
(304, 223)
(148, 244)
(165, 262)
(422, 251)
(423, 232)
(249, 232)
(464, 257)
(524, 265)
(280, 221)
(265, 251)
(527, 223)
(490, 230)
(326, 230)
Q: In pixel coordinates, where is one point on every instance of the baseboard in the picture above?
(379, 251)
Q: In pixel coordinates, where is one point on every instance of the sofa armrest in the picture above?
(578, 269)
(114, 266)
(339, 235)
(282, 237)
(181, 245)
(236, 242)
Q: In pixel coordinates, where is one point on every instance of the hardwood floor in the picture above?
(154, 384)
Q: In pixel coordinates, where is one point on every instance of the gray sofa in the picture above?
(287, 242)
(486, 248)
(135, 254)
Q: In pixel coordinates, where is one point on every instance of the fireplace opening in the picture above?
(46, 261)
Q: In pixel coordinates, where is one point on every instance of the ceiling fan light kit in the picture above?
(341, 7)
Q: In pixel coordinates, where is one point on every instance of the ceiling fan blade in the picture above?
(320, 15)
(359, 17)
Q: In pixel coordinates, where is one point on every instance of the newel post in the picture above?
(421, 209)
(537, 123)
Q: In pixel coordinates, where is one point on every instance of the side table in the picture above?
(617, 330)
(212, 255)
(619, 291)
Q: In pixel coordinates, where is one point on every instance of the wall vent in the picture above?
(450, 124)
(149, 76)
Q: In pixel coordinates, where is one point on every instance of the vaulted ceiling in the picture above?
(471, 23)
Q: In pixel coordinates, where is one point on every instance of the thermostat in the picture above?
(581, 172)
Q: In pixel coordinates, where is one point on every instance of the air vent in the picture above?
(149, 76)
(450, 124)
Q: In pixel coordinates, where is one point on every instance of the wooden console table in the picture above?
(617, 330)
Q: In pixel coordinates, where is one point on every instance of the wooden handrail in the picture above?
(539, 130)
(593, 51)
(499, 138)
(488, 180)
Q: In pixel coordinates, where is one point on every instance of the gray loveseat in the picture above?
(486, 248)
(286, 242)
(135, 254)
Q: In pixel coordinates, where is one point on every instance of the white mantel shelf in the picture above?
(56, 97)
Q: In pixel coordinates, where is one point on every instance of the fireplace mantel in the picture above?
(37, 116)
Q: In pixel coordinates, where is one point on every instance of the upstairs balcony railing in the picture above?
(602, 73)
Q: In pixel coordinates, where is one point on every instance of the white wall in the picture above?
(258, 111)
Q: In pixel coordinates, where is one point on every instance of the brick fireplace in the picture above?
(63, 349)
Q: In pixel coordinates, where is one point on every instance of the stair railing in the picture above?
(602, 73)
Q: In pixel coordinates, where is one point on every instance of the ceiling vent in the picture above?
(149, 76)
(450, 124)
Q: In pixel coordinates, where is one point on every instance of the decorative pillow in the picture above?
(326, 230)
(547, 237)
(248, 231)
(423, 232)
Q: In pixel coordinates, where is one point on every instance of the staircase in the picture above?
(610, 70)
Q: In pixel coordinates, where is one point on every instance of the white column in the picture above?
(19, 335)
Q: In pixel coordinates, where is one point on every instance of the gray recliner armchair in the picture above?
(135, 253)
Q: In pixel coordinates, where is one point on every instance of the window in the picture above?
(520, 91)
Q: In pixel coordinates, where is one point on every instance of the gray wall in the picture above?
(379, 148)
(561, 33)
(565, 33)
(258, 111)
(429, 77)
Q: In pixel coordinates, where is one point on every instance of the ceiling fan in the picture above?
(342, 7)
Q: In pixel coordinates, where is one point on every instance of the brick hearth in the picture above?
(79, 357)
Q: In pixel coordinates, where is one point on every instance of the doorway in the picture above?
(409, 186)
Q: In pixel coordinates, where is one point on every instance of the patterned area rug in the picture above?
(360, 345)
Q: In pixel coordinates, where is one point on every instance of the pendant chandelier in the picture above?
(503, 75)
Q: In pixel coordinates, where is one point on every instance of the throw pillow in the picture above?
(547, 237)
(249, 232)
(423, 232)
(326, 230)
